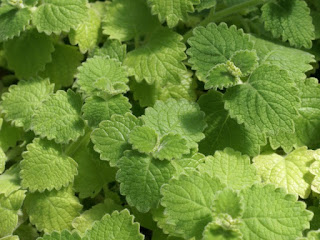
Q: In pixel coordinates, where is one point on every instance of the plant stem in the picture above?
(80, 144)
(212, 17)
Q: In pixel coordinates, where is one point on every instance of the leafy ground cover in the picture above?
(159, 120)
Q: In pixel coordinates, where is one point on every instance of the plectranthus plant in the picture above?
(159, 120)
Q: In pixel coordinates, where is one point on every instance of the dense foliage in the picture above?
(159, 119)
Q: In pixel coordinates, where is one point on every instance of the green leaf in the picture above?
(144, 139)
(64, 235)
(213, 45)
(10, 237)
(65, 61)
(21, 101)
(118, 225)
(245, 60)
(159, 59)
(177, 117)
(315, 170)
(53, 210)
(307, 124)
(29, 53)
(9, 136)
(172, 11)
(55, 16)
(147, 94)
(223, 131)
(295, 61)
(220, 77)
(123, 26)
(141, 178)
(290, 172)
(214, 231)
(111, 138)
(291, 20)
(97, 109)
(312, 235)
(86, 220)
(270, 213)
(112, 49)
(102, 74)
(233, 169)
(93, 173)
(10, 180)
(187, 201)
(13, 21)
(206, 4)
(46, 157)
(9, 207)
(227, 201)
(171, 146)
(59, 117)
(3, 159)
(26, 231)
(87, 34)
(266, 102)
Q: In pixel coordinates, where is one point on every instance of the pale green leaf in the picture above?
(55, 16)
(290, 172)
(295, 61)
(177, 117)
(93, 173)
(144, 139)
(233, 169)
(54, 210)
(190, 161)
(266, 102)
(97, 109)
(9, 207)
(172, 11)
(213, 45)
(47, 158)
(141, 178)
(111, 138)
(223, 131)
(10, 180)
(118, 225)
(64, 235)
(59, 117)
(28, 54)
(102, 74)
(86, 220)
(159, 59)
(112, 49)
(171, 146)
(291, 20)
(270, 213)
(307, 124)
(187, 201)
(21, 101)
(12, 237)
(126, 19)
(13, 21)
(65, 61)
(86, 34)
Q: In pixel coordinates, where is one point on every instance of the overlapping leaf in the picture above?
(59, 117)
